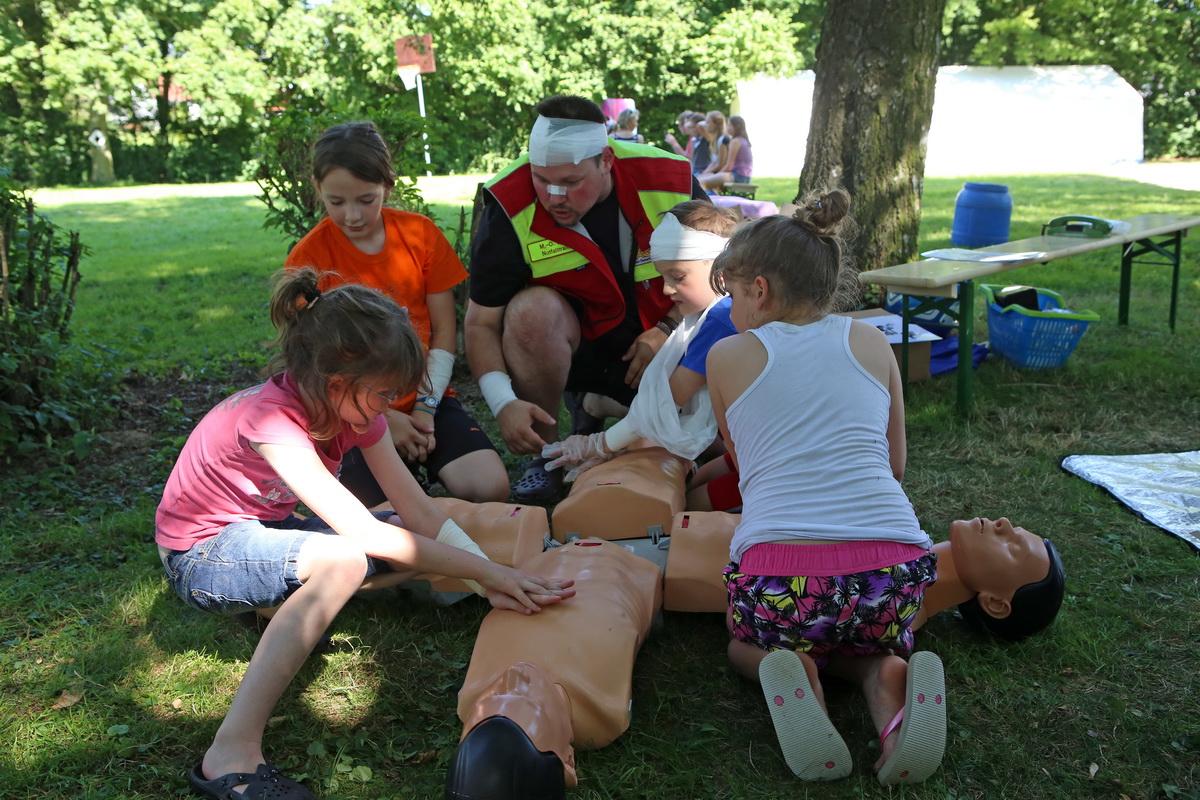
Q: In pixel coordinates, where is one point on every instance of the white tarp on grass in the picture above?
(986, 121)
(1163, 488)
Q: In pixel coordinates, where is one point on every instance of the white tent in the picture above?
(986, 121)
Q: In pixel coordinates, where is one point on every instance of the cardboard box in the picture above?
(919, 339)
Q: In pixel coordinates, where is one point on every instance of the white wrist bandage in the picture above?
(621, 435)
(450, 533)
(438, 367)
(497, 391)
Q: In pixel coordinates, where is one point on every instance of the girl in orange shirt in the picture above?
(406, 257)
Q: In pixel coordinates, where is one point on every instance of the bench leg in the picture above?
(1126, 280)
(965, 317)
(1170, 249)
(1175, 276)
(966, 347)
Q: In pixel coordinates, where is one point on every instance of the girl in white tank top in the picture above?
(829, 563)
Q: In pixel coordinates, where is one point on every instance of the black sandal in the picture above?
(265, 783)
(537, 484)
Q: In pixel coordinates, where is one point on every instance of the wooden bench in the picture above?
(937, 283)
(745, 190)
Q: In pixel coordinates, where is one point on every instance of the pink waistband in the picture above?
(821, 560)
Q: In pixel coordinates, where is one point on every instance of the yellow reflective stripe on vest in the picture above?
(546, 257)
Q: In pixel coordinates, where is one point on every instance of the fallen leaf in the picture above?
(1092, 770)
(68, 698)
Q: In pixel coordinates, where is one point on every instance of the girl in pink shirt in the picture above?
(226, 529)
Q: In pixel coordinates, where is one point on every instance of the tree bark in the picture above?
(873, 98)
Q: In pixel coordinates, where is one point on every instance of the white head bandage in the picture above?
(674, 241)
(554, 142)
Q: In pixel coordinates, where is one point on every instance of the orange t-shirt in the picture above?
(416, 261)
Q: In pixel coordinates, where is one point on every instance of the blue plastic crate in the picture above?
(1039, 339)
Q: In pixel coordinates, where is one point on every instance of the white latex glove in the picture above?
(584, 466)
(574, 450)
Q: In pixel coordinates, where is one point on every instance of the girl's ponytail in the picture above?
(295, 290)
(804, 257)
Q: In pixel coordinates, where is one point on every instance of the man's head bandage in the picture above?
(554, 142)
(674, 241)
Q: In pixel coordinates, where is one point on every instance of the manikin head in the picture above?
(1018, 577)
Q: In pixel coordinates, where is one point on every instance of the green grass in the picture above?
(1111, 689)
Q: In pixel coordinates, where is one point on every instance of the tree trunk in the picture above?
(872, 102)
(101, 150)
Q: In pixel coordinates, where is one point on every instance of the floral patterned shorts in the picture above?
(856, 614)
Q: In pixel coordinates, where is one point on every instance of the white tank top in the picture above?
(810, 435)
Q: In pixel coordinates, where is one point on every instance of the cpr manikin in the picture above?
(539, 686)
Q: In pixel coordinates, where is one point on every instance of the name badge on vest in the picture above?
(544, 248)
(643, 258)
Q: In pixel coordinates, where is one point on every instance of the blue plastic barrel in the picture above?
(982, 213)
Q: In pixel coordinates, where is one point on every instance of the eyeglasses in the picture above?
(389, 398)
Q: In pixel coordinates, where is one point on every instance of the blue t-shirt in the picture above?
(716, 326)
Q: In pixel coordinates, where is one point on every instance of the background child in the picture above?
(683, 247)
(227, 534)
(687, 129)
(829, 563)
(405, 256)
(627, 124)
(718, 148)
(741, 161)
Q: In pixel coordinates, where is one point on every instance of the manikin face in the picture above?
(995, 559)
(586, 184)
(686, 283)
(355, 206)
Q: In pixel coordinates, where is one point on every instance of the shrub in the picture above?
(45, 393)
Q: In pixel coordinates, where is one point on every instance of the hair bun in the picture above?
(824, 213)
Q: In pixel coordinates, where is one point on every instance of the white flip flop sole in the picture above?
(811, 746)
(922, 741)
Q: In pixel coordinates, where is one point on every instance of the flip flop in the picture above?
(537, 485)
(922, 723)
(265, 783)
(811, 746)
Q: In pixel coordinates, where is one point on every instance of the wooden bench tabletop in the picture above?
(939, 277)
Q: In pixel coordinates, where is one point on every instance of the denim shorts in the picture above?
(739, 177)
(248, 565)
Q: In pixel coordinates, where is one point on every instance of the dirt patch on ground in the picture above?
(133, 455)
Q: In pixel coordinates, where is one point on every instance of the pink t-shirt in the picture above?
(220, 479)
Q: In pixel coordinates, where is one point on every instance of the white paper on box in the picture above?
(893, 327)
